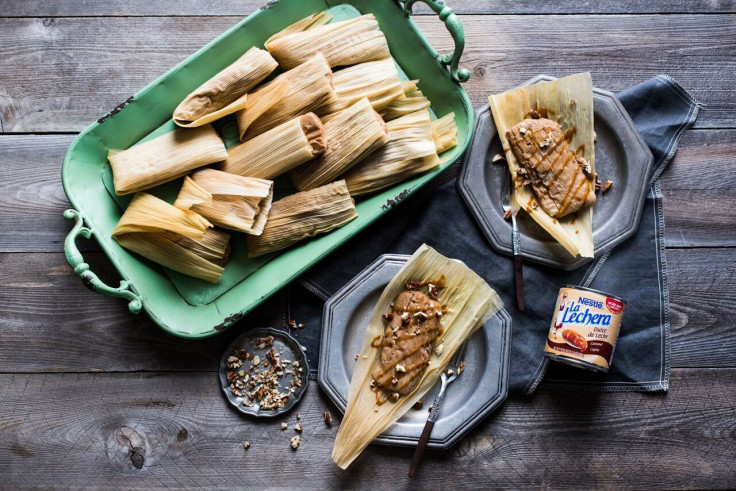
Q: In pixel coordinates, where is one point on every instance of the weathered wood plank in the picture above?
(60, 74)
(33, 200)
(698, 188)
(175, 429)
(39, 8)
(51, 323)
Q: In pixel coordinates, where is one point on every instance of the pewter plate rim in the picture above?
(485, 208)
(491, 395)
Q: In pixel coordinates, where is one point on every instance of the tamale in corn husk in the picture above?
(226, 92)
(569, 101)
(412, 101)
(410, 150)
(260, 102)
(278, 150)
(444, 132)
(343, 43)
(165, 158)
(180, 240)
(314, 20)
(469, 302)
(309, 88)
(302, 215)
(351, 136)
(376, 80)
(237, 202)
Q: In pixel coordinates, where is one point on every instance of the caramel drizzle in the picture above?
(571, 191)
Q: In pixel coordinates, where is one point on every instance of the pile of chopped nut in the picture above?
(260, 383)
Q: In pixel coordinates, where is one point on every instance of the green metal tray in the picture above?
(192, 308)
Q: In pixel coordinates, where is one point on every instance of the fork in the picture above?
(518, 272)
(434, 411)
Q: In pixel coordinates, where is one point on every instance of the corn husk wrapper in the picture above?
(314, 20)
(260, 102)
(410, 150)
(165, 158)
(309, 88)
(471, 302)
(376, 80)
(303, 215)
(412, 101)
(237, 203)
(343, 43)
(278, 150)
(444, 132)
(575, 231)
(226, 92)
(352, 135)
(177, 239)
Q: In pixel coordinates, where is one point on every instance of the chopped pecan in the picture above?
(414, 285)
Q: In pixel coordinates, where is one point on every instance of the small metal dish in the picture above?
(288, 348)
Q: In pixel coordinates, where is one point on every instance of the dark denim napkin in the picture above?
(635, 270)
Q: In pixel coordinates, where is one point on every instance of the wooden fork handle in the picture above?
(419, 452)
(519, 274)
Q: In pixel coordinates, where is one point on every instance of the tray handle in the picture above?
(90, 280)
(447, 15)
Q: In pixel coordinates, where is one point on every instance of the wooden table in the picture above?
(93, 396)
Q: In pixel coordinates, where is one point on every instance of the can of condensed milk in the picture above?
(584, 328)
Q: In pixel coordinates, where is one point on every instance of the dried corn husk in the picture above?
(214, 245)
(343, 43)
(471, 302)
(410, 150)
(575, 231)
(165, 158)
(260, 102)
(237, 203)
(412, 101)
(314, 20)
(444, 132)
(309, 87)
(178, 239)
(351, 135)
(303, 215)
(376, 80)
(226, 92)
(278, 150)
(191, 194)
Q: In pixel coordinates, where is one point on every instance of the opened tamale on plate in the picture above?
(569, 101)
(469, 301)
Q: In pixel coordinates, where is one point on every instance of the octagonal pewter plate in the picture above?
(481, 388)
(621, 155)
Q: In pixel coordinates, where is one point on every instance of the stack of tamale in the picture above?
(323, 103)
